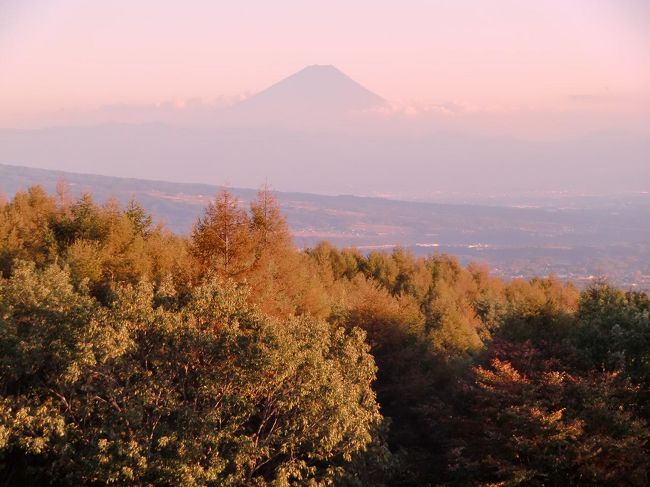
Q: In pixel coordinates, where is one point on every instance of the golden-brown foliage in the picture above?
(133, 355)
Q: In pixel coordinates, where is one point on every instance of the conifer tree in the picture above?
(222, 240)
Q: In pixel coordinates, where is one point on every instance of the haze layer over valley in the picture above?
(320, 131)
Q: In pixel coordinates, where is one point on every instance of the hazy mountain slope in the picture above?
(344, 216)
(513, 240)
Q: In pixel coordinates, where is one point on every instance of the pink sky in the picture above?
(555, 55)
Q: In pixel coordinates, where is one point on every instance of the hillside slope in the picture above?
(574, 243)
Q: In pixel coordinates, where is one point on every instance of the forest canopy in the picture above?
(134, 356)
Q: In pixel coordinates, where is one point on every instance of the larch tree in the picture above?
(222, 240)
(268, 224)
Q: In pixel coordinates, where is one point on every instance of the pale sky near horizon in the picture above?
(497, 55)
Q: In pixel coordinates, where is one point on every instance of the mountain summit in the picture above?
(317, 91)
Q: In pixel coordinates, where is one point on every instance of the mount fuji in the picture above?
(317, 92)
